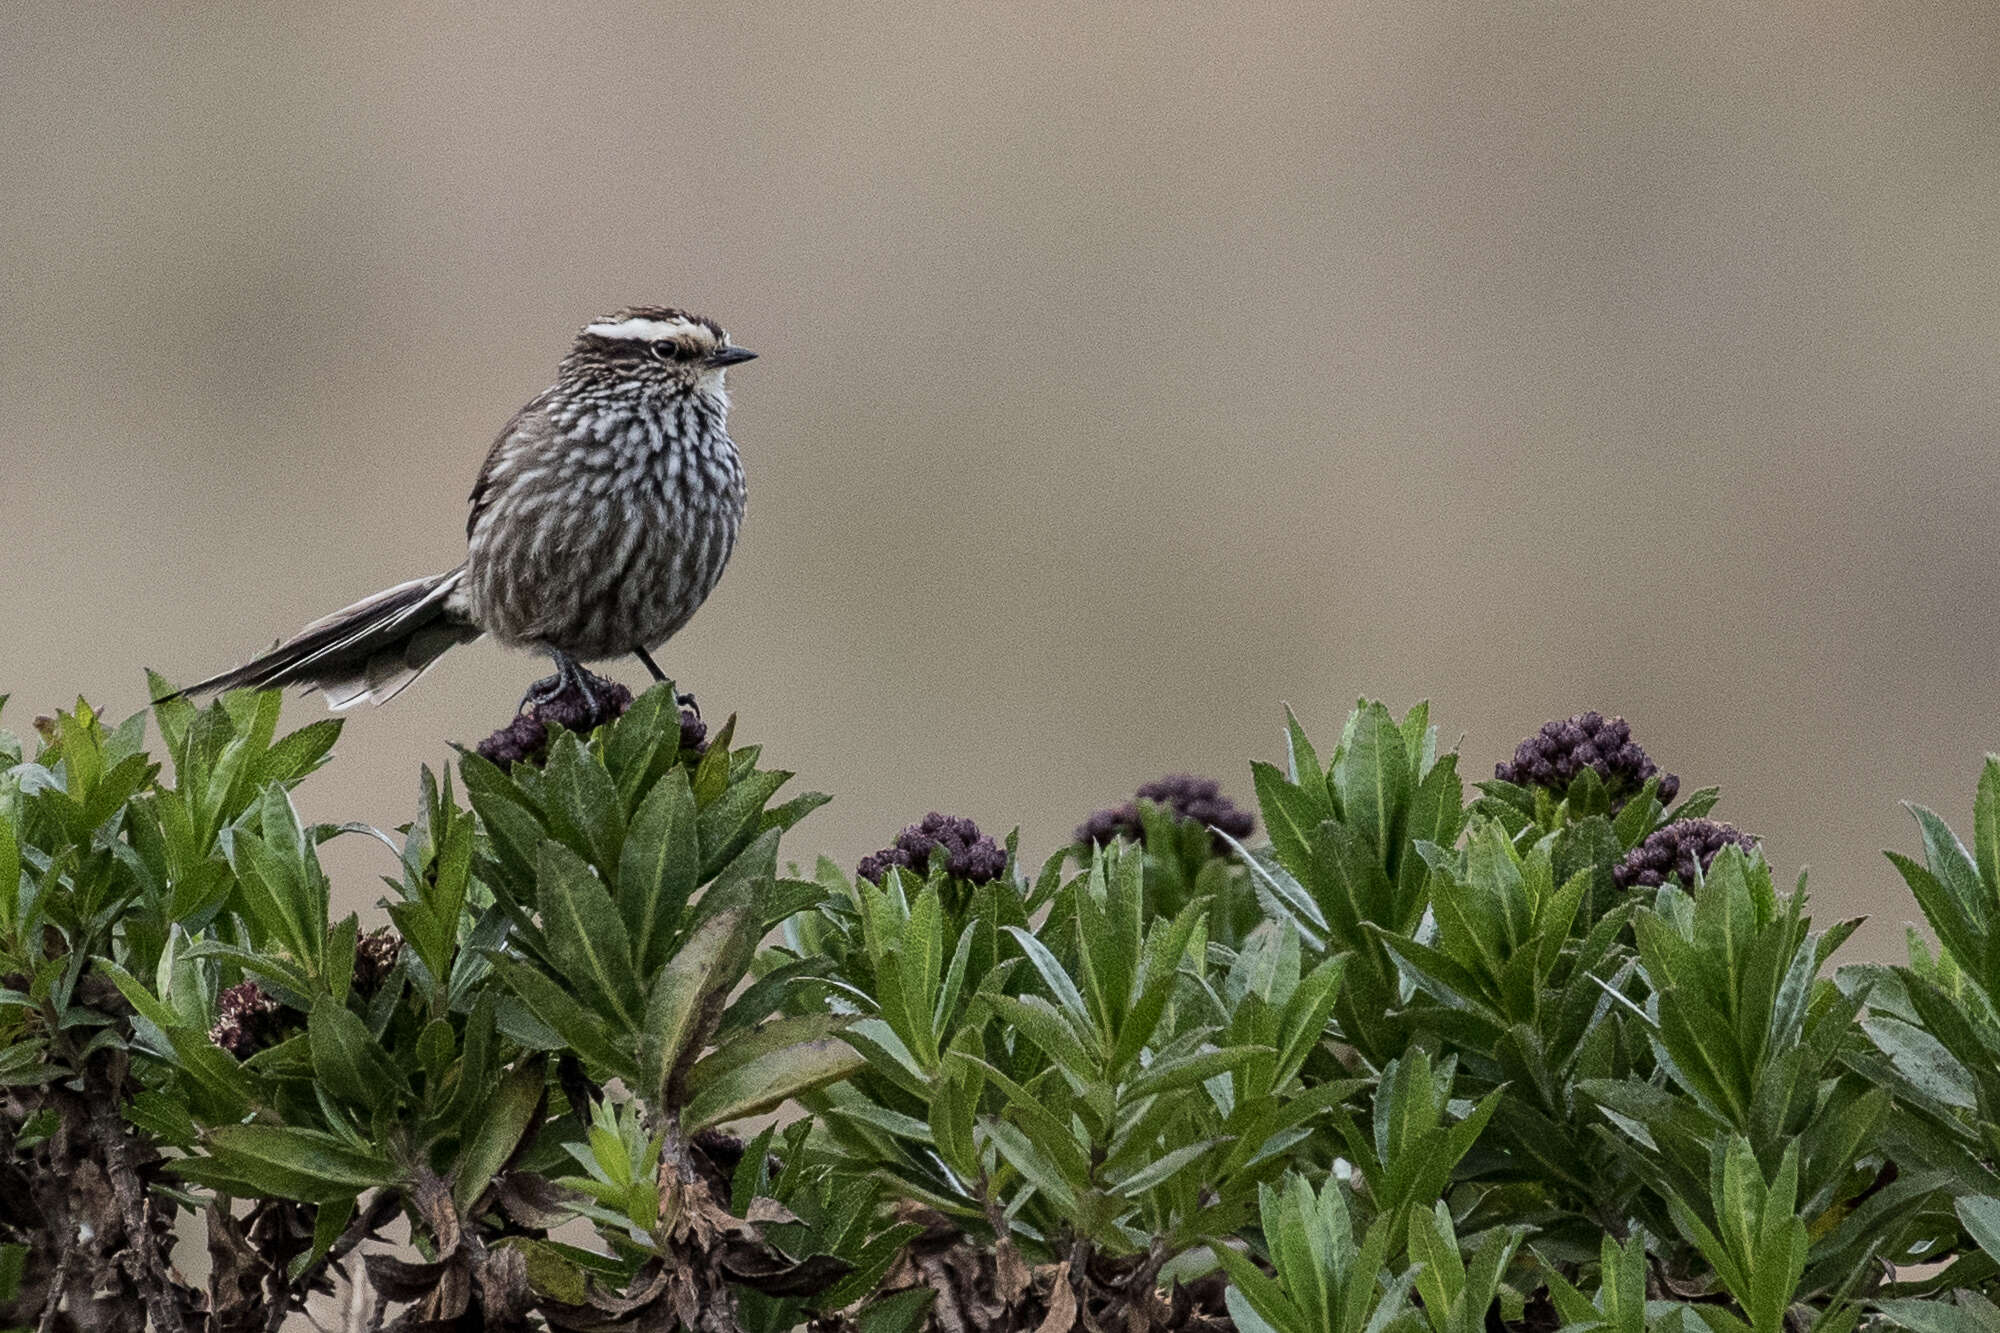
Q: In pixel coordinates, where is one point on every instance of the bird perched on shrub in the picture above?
(600, 523)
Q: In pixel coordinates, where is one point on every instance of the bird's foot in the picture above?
(575, 698)
(687, 701)
(543, 692)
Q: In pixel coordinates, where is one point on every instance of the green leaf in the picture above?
(587, 935)
(1290, 813)
(10, 872)
(1052, 1137)
(1255, 1301)
(1974, 1314)
(511, 1113)
(1981, 1216)
(1163, 1168)
(299, 753)
(1056, 978)
(1303, 760)
(347, 1059)
(658, 869)
(1986, 823)
(1022, 1154)
(341, 943)
(583, 804)
(1434, 1246)
(1044, 1025)
(268, 888)
(771, 1079)
(149, 1006)
(903, 1311)
(952, 1121)
(727, 824)
(1188, 1070)
(577, 1026)
(329, 1221)
(687, 996)
(280, 1161)
(510, 819)
(1948, 860)
(1373, 776)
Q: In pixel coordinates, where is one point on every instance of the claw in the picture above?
(544, 691)
(571, 678)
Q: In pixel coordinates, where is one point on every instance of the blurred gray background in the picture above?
(1128, 370)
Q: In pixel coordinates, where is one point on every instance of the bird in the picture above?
(600, 522)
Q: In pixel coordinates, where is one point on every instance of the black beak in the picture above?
(731, 356)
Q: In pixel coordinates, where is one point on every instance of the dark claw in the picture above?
(687, 701)
(546, 690)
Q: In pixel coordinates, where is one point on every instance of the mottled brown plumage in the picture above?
(600, 522)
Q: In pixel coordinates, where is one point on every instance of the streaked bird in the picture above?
(600, 523)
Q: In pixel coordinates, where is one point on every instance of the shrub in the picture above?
(1414, 1062)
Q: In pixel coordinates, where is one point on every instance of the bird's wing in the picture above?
(526, 430)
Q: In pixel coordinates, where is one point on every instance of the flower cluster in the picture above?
(1553, 756)
(969, 854)
(526, 738)
(1683, 850)
(375, 956)
(1187, 796)
(248, 1020)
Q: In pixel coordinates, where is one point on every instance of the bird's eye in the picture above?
(667, 350)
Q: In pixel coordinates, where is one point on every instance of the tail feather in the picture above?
(371, 650)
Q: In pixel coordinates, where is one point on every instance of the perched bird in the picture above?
(600, 523)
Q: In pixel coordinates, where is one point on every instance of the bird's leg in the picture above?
(577, 677)
(680, 700)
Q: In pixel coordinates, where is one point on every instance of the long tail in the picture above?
(372, 650)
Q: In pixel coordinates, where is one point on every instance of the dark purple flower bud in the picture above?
(1682, 850)
(1187, 796)
(969, 854)
(1553, 756)
(520, 741)
(572, 711)
(526, 738)
(375, 955)
(247, 1020)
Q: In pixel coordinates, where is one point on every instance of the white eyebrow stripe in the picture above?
(651, 330)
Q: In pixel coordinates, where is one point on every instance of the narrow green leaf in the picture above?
(510, 1114)
(658, 868)
(726, 825)
(1986, 824)
(583, 804)
(1056, 979)
(569, 1020)
(1373, 776)
(346, 1058)
(1188, 1070)
(1981, 1215)
(771, 1079)
(687, 995)
(1303, 760)
(586, 934)
(280, 1161)
(1022, 1154)
(1163, 1168)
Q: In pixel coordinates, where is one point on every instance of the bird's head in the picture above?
(670, 347)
